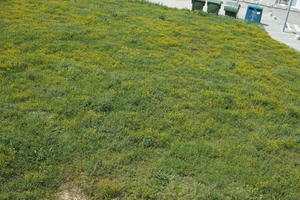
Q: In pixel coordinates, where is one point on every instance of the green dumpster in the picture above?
(198, 4)
(213, 6)
(232, 9)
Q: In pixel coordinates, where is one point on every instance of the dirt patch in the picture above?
(71, 192)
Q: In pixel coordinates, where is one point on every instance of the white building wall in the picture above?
(297, 4)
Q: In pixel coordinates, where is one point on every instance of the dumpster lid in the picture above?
(231, 6)
(219, 2)
(231, 3)
(255, 7)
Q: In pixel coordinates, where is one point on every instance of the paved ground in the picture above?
(294, 17)
(272, 26)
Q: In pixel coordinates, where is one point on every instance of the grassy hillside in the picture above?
(130, 100)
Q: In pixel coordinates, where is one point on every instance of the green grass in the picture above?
(131, 100)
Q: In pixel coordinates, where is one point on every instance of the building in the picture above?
(295, 3)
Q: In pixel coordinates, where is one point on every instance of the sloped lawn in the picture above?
(131, 100)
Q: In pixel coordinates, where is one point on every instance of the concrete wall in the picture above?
(295, 3)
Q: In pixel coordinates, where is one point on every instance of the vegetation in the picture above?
(132, 100)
